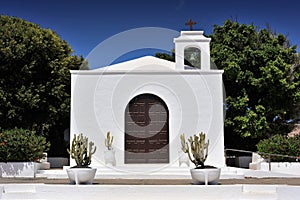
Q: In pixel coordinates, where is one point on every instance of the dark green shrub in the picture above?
(280, 144)
(19, 145)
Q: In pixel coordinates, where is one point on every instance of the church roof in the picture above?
(146, 63)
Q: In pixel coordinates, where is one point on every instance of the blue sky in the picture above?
(84, 24)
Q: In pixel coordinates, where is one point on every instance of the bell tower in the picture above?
(192, 39)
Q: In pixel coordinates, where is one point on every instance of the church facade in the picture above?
(146, 103)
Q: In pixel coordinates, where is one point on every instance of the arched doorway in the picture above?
(146, 130)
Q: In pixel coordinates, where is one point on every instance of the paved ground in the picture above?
(269, 181)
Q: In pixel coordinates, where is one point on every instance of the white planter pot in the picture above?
(109, 157)
(18, 169)
(206, 176)
(81, 175)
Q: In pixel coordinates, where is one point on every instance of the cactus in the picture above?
(81, 150)
(108, 141)
(196, 148)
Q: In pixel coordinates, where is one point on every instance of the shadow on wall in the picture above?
(17, 169)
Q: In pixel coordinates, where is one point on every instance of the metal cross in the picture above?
(190, 23)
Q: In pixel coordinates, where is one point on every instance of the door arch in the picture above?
(146, 130)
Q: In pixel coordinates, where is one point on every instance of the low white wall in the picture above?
(282, 167)
(18, 169)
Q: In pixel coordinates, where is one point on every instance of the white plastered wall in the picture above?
(194, 99)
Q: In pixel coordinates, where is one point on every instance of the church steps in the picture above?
(157, 192)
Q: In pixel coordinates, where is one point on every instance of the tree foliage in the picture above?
(261, 79)
(22, 145)
(34, 78)
(280, 145)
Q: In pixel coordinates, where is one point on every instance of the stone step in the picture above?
(157, 192)
(19, 191)
(267, 192)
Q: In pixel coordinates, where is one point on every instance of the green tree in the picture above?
(35, 79)
(280, 145)
(261, 78)
(22, 145)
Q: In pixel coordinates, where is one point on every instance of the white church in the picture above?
(146, 103)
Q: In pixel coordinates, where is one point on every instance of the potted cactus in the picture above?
(197, 150)
(81, 151)
(109, 153)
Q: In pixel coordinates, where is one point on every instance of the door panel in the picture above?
(146, 130)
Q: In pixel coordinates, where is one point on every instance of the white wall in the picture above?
(194, 100)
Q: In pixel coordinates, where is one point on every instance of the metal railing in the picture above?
(266, 155)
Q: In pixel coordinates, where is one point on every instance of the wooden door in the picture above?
(146, 130)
